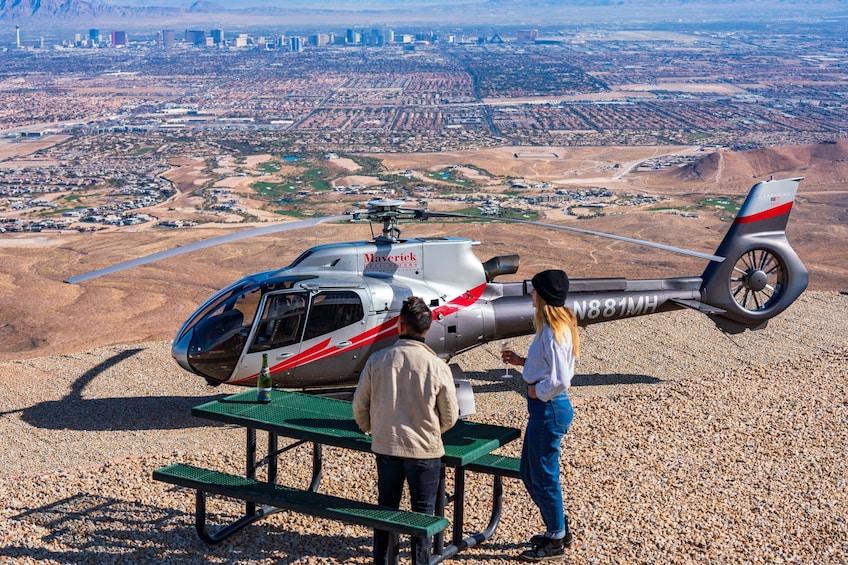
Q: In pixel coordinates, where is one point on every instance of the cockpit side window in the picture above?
(281, 323)
(333, 310)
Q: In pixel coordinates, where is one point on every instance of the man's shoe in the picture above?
(548, 550)
(567, 541)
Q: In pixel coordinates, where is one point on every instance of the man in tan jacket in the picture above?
(406, 399)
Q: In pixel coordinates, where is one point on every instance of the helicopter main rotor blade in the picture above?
(680, 250)
(253, 232)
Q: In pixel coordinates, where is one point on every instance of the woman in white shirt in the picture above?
(548, 369)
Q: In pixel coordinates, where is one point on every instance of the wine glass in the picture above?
(506, 351)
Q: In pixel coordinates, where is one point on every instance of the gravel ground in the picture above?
(687, 447)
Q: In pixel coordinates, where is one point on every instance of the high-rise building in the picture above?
(119, 38)
(353, 37)
(527, 35)
(217, 36)
(380, 37)
(169, 38)
(195, 37)
(296, 44)
(319, 39)
(18, 36)
(94, 37)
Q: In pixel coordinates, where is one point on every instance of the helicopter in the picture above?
(319, 318)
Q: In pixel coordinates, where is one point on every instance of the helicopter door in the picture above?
(279, 333)
(334, 320)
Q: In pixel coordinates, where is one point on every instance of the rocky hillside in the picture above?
(822, 164)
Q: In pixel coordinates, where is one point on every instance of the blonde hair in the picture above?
(560, 319)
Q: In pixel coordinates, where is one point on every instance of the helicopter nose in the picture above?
(179, 351)
(212, 348)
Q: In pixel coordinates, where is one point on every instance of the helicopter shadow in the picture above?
(75, 412)
(493, 381)
(597, 379)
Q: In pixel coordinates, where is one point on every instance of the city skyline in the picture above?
(47, 13)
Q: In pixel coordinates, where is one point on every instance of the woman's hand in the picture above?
(512, 358)
(531, 391)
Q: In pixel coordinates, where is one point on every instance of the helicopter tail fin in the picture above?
(761, 274)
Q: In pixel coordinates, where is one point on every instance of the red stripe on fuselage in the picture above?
(460, 302)
(385, 330)
(765, 214)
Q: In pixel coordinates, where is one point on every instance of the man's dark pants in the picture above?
(422, 476)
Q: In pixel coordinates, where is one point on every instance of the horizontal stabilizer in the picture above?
(699, 306)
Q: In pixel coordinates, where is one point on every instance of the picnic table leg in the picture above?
(442, 552)
(226, 531)
(458, 505)
(393, 553)
(251, 513)
(272, 460)
(494, 519)
(441, 501)
(317, 466)
(250, 507)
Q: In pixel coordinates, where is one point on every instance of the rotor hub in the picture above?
(757, 280)
(387, 212)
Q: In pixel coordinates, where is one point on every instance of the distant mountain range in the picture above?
(26, 10)
(518, 12)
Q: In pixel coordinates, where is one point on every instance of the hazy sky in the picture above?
(327, 4)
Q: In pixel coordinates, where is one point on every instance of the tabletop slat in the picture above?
(330, 421)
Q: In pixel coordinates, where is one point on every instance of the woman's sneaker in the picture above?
(548, 550)
(567, 541)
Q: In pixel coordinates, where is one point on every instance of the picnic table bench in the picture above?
(287, 498)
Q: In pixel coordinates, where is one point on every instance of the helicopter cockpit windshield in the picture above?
(220, 332)
(214, 339)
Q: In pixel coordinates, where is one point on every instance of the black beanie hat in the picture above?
(552, 286)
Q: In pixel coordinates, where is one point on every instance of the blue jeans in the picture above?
(422, 476)
(539, 469)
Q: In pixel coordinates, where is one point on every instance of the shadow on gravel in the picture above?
(602, 380)
(88, 528)
(493, 381)
(74, 412)
(117, 414)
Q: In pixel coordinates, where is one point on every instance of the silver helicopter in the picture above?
(319, 318)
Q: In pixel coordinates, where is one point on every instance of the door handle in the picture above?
(343, 344)
(284, 355)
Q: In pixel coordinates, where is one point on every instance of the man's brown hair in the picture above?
(416, 315)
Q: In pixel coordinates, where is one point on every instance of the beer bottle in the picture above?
(263, 383)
